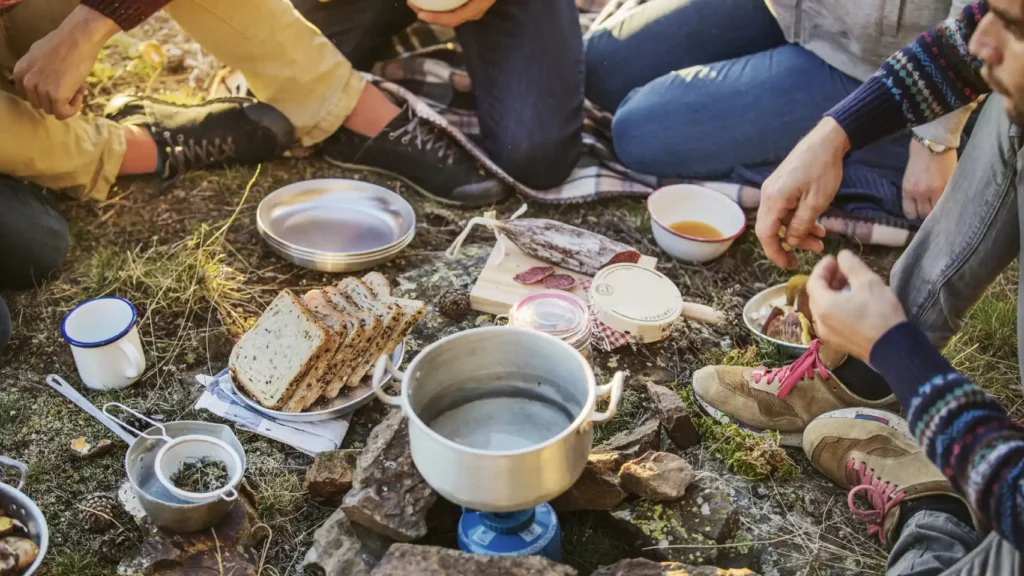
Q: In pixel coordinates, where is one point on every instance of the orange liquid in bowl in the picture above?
(696, 229)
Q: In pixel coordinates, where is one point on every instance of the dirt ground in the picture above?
(191, 259)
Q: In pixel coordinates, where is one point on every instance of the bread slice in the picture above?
(371, 327)
(390, 316)
(414, 310)
(276, 355)
(311, 385)
(349, 331)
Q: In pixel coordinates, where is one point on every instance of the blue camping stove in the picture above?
(533, 532)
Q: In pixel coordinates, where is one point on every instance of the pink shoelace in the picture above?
(881, 495)
(790, 374)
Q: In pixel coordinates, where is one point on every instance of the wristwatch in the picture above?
(932, 147)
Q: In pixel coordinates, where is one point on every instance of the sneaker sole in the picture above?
(897, 423)
(406, 181)
(791, 439)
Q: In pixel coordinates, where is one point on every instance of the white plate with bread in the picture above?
(309, 359)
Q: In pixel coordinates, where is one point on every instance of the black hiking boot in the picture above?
(220, 132)
(423, 156)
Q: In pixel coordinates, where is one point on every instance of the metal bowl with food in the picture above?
(774, 315)
(24, 536)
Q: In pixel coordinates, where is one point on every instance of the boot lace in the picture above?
(790, 374)
(184, 154)
(881, 496)
(427, 138)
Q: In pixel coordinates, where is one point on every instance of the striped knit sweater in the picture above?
(929, 78)
(963, 430)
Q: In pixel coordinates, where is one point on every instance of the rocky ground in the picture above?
(191, 259)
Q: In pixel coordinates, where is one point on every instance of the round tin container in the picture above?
(557, 313)
(638, 301)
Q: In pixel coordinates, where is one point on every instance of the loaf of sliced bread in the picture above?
(414, 310)
(390, 316)
(371, 328)
(348, 330)
(280, 351)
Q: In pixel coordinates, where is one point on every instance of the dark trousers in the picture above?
(525, 58)
(33, 242)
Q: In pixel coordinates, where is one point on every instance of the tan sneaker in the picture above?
(783, 399)
(872, 453)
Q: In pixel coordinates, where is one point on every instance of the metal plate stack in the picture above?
(336, 225)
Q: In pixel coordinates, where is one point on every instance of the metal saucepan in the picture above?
(14, 504)
(500, 418)
(162, 507)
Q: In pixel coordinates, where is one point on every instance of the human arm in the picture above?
(963, 430)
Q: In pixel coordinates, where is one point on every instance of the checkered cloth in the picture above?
(601, 334)
(438, 91)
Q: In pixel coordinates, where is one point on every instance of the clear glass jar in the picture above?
(557, 313)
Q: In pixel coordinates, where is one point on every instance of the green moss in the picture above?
(752, 456)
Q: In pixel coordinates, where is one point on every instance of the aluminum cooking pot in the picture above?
(500, 418)
(14, 504)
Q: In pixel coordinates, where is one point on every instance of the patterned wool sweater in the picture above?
(963, 430)
(929, 78)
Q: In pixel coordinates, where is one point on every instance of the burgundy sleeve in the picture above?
(126, 13)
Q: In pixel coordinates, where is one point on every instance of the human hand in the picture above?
(925, 179)
(855, 319)
(472, 10)
(799, 191)
(51, 76)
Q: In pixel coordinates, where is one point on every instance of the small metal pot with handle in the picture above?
(15, 504)
(501, 418)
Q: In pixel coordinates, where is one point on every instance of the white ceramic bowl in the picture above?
(681, 202)
(438, 5)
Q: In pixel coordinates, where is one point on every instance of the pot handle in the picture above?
(615, 389)
(15, 464)
(384, 364)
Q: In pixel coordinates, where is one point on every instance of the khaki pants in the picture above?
(286, 61)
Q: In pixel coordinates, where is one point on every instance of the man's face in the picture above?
(999, 42)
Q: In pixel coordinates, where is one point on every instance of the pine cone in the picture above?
(453, 303)
(99, 512)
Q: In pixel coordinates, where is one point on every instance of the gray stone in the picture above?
(331, 474)
(408, 559)
(388, 495)
(338, 549)
(633, 443)
(598, 488)
(674, 416)
(686, 530)
(657, 476)
(644, 567)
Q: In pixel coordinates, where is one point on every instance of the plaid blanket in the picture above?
(424, 70)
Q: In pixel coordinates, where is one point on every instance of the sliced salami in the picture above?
(563, 245)
(559, 282)
(534, 275)
(627, 257)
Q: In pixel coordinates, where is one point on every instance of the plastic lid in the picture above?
(552, 311)
(636, 300)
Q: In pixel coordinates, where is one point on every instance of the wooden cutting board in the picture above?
(495, 291)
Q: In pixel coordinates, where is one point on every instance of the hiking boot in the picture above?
(783, 399)
(871, 453)
(220, 132)
(423, 156)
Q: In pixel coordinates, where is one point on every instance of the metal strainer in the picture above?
(190, 448)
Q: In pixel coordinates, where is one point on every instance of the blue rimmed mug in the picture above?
(105, 342)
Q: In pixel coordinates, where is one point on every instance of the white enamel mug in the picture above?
(105, 342)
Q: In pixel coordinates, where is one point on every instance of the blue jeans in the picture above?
(525, 58)
(701, 87)
(33, 242)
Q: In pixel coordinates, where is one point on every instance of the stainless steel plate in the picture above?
(776, 295)
(335, 217)
(325, 264)
(349, 400)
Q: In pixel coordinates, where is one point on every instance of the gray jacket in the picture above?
(856, 36)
